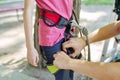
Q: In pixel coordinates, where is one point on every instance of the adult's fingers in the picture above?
(66, 45)
(73, 55)
(55, 55)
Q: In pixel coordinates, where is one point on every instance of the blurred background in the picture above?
(94, 14)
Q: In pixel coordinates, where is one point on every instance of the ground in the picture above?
(12, 39)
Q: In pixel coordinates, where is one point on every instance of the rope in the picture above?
(84, 31)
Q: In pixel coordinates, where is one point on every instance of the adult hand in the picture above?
(33, 57)
(76, 43)
(62, 60)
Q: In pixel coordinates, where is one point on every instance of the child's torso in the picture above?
(62, 7)
(48, 36)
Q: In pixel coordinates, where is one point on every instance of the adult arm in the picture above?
(97, 70)
(32, 54)
(103, 33)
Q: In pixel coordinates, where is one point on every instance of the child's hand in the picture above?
(33, 57)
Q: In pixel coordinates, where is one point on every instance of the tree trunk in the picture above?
(76, 8)
(76, 14)
(42, 62)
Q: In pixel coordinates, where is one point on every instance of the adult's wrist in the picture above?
(77, 65)
(72, 63)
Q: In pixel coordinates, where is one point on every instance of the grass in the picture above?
(97, 2)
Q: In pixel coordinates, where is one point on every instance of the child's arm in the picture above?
(32, 54)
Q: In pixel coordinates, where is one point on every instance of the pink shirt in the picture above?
(62, 7)
(48, 36)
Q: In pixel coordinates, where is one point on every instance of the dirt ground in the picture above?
(12, 39)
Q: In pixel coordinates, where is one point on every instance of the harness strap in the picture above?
(52, 19)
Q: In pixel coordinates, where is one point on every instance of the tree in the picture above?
(76, 8)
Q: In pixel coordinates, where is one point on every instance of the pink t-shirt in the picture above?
(48, 36)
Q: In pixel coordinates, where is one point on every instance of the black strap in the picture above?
(117, 11)
(117, 7)
(59, 24)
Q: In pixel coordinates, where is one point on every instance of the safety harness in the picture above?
(52, 19)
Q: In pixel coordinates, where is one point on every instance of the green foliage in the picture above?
(2, 0)
(98, 2)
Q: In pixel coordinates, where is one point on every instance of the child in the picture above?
(54, 17)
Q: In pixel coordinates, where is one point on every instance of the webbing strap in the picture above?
(62, 22)
(57, 21)
(52, 69)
